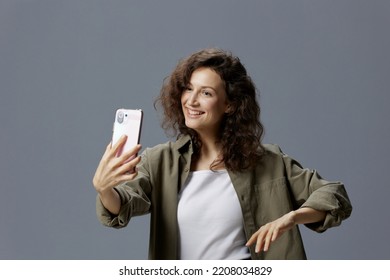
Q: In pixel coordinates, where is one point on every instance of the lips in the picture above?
(194, 113)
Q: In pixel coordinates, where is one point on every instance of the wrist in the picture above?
(110, 200)
(106, 192)
(293, 216)
(306, 215)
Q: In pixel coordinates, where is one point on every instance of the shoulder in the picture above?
(274, 155)
(272, 149)
(273, 152)
(272, 163)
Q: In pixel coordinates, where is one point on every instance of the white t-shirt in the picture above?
(210, 218)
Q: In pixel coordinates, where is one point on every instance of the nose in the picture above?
(192, 98)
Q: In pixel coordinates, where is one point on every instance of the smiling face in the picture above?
(204, 101)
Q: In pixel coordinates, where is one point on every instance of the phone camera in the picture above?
(120, 117)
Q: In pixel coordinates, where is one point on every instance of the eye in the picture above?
(187, 88)
(207, 93)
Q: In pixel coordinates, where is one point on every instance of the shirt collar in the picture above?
(183, 142)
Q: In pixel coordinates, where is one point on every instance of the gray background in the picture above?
(322, 68)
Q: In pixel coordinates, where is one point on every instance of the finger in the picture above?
(260, 241)
(133, 151)
(118, 145)
(106, 151)
(252, 239)
(259, 244)
(109, 146)
(129, 166)
(267, 241)
(275, 235)
(128, 177)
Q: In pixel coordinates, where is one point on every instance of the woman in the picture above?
(217, 192)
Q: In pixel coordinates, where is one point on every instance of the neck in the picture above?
(208, 153)
(210, 144)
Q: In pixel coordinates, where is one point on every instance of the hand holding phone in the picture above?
(127, 122)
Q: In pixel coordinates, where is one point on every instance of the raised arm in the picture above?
(112, 171)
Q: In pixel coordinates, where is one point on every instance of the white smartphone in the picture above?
(127, 122)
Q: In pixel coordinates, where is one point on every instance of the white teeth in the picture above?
(191, 112)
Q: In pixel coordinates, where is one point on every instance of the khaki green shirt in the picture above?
(275, 187)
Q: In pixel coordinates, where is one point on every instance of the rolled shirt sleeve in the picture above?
(311, 190)
(134, 196)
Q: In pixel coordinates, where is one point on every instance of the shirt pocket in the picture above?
(273, 200)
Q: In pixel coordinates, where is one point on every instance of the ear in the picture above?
(229, 109)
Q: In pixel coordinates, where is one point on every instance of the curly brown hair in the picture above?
(241, 130)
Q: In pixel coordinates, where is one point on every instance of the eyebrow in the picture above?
(203, 87)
